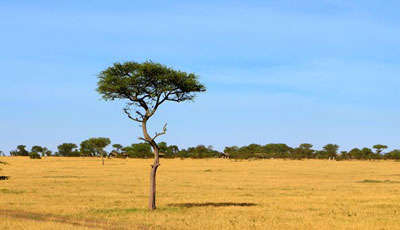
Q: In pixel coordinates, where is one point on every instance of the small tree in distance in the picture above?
(95, 147)
(34, 155)
(117, 150)
(379, 148)
(117, 147)
(35, 150)
(306, 149)
(67, 150)
(331, 150)
(146, 86)
(39, 149)
(21, 151)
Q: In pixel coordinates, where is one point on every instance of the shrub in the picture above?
(34, 155)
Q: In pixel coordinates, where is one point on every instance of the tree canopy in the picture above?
(67, 150)
(94, 146)
(20, 151)
(147, 85)
(379, 148)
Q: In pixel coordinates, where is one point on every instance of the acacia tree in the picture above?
(95, 147)
(146, 86)
(331, 150)
(21, 151)
(306, 150)
(379, 148)
(67, 150)
(117, 147)
(117, 150)
(39, 149)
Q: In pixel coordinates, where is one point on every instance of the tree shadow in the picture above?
(211, 204)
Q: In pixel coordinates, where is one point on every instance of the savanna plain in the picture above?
(80, 193)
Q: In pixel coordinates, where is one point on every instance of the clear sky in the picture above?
(279, 71)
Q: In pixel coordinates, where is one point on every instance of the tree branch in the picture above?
(162, 133)
(139, 113)
(126, 110)
(159, 102)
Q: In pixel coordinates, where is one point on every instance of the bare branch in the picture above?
(141, 138)
(127, 111)
(143, 104)
(162, 133)
(139, 113)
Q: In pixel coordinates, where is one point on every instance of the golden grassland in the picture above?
(80, 193)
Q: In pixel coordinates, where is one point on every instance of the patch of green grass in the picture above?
(9, 191)
(380, 181)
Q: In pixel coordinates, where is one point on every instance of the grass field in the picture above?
(80, 193)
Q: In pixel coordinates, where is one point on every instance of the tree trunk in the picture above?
(153, 172)
(154, 167)
(102, 158)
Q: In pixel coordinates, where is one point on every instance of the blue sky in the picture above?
(290, 72)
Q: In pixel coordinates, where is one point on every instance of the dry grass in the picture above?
(80, 193)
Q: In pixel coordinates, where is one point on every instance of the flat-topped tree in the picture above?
(379, 148)
(95, 147)
(68, 150)
(146, 86)
(117, 147)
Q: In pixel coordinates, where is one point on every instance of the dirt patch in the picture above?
(87, 223)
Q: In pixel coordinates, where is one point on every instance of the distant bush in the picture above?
(34, 155)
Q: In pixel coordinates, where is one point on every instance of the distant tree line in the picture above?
(306, 151)
(95, 147)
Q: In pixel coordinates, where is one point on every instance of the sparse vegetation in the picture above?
(69, 193)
